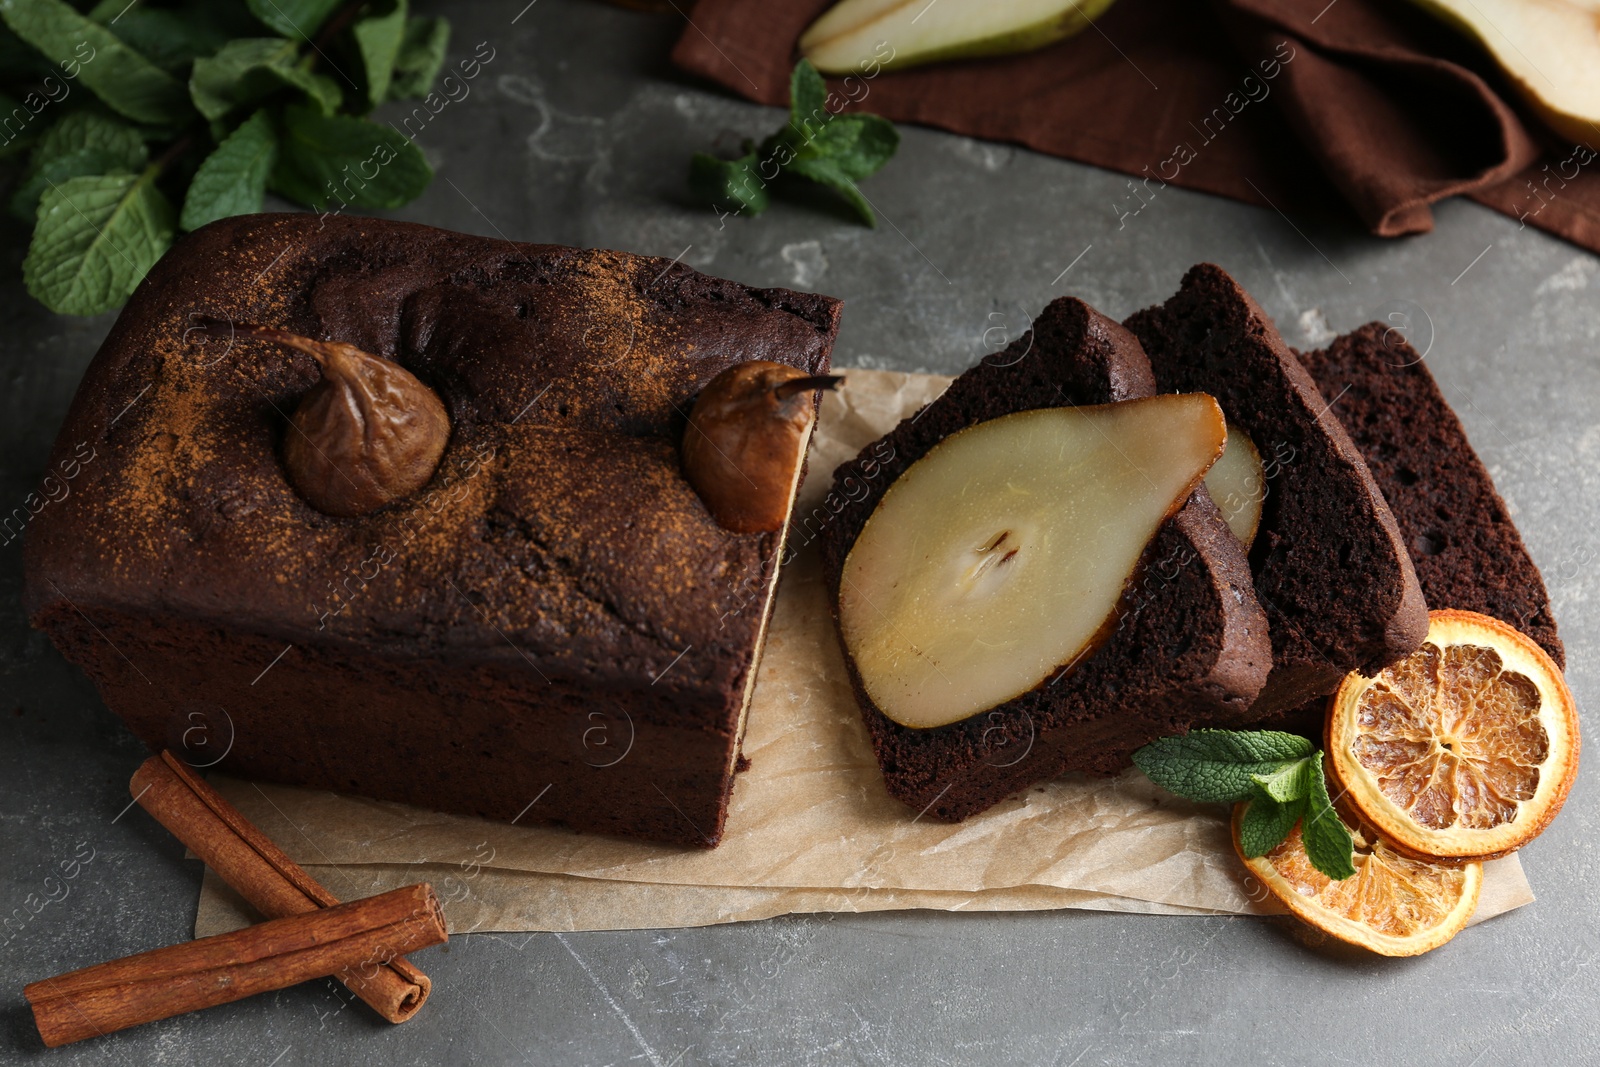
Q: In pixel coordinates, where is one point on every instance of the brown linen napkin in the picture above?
(1294, 103)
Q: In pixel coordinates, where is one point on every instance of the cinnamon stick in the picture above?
(259, 871)
(361, 936)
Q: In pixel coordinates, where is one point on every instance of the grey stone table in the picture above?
(579, 132)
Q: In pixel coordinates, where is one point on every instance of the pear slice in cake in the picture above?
(1237, 483)
(998, 559)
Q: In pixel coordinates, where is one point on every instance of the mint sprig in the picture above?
(818, 144)
(1279, 774)
(134, 111)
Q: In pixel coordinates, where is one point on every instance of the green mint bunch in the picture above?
(134, 121)
(1279, 774)
(817, 144)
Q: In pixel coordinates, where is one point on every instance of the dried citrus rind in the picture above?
(1465, 749)
(1394, 905)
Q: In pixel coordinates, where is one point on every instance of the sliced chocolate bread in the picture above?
(1189, 648)
(1329, 564)
(1464, 546)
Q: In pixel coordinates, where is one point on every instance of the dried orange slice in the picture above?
(1395, 905)
(1464, 749)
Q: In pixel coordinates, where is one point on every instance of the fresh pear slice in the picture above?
(1549, 48)
(997, 560)
(859, 35)
(1237, 484)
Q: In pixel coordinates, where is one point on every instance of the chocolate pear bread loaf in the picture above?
(553, 629)
(1465, 548)
(1330, 567)
(1189, 649)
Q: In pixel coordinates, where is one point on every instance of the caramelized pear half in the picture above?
(998, 559)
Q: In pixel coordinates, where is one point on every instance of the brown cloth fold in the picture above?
(1289, 103)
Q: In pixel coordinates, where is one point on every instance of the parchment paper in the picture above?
(810, 827)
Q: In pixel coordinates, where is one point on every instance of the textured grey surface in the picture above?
(578, 132)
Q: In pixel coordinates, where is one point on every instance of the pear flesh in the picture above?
(1238, 485)
(998, 559)
(860, 36)
(1563, 83)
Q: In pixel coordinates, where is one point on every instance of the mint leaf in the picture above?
(421, 56)
(233, 178)
(808, 97)
(25, 200)
(826, 172)
(378, 38)
(337, 160)
(1287, 783)
(246, 72)
(170, 39)
(90, 129)
(299, 19)
(95, 240)
(857, 144)
(125, 80)
(1266, 823)
(1216, 766)
(729, 184)
(1328, 843)
(1249, 746)
(81, 143)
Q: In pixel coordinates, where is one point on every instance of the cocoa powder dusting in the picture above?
(558, 526)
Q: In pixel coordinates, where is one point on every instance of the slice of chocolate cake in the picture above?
(1189, 647)
(553, 629)
(1465, 548)
(1330, 567)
